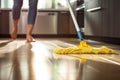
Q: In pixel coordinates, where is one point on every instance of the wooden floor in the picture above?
(20, 60)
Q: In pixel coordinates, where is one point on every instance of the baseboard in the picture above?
(112, 40)
(42, 35)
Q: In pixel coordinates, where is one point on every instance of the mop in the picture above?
(83, 47)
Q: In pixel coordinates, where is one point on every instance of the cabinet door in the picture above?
(80, 18)
(105, 18)
(114, 21)
(80, 14)
(105, 21)
(63, 23)
(93, 17)
(4, 22)
(110, 18)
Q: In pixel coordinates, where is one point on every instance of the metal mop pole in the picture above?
(74, 21)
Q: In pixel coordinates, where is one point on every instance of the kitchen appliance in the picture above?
(46, 23)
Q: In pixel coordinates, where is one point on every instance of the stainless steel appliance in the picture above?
(46, 23)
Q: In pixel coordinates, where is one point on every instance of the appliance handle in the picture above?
(51, 13)
(94, 9)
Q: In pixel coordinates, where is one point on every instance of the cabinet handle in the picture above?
(51, 13)
(94, 9)
(81, 7)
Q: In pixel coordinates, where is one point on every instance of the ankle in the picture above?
(28, 34)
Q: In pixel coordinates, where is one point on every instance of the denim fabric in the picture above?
(32, 10)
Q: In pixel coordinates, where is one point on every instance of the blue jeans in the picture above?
(32, 10)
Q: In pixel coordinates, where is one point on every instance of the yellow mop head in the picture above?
(84, 48)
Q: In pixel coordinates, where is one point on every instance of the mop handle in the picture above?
(75, 21)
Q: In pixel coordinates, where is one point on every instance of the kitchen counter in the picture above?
(39, 10)
(59, 22)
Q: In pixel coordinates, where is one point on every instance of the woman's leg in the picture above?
(31, 19)
(16, 15)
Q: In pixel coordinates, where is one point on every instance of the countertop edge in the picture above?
(39, 10)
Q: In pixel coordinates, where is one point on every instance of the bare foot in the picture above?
(29, 38)
(14, 34)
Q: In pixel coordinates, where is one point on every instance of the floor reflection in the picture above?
(36, 61)
(46, 67)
